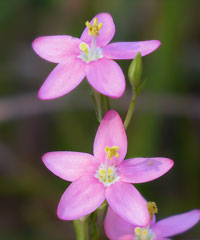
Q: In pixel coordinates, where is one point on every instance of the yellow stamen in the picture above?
(94, 29)
(138, 231)
(95, 22)
(144, 232)
(152, 208)
(102, 172)
(110, 171)
(84, 47)
(112, 151)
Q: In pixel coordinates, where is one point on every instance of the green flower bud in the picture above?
(135, 71)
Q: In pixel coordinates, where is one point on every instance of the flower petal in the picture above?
(56, 48)
(127, 202)
(106, 77)
(70, 165)
(125, 237)
(138, 170)
(128, 50)
(176, 224)
(115, 226)
(105, 34)
(63, 79)
(81, 198)
(110, 133)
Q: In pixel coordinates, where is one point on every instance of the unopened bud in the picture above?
(135, 71)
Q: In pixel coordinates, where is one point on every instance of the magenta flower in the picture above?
(118, 229)
(105, 175)
(90, 57)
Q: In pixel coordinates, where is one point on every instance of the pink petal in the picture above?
(81, 198)
(105, 34)
(106, 77)
(128, 50)
(70, 165)
(116, 228)
(176, 224)
(127, 202)
(63, 79)
(139, 170)
(56, 48)
(125, 237)
(110, 133)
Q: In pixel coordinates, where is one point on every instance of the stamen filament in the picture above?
(106, 167)
(93, 45)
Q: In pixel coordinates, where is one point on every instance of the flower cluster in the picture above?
(105, 175)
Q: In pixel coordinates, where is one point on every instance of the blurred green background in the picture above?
(165, 123)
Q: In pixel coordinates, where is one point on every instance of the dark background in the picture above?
(165, 123)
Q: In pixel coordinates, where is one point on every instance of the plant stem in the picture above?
(130, 109)
(81, 228)
(101, 103)
(96, 221)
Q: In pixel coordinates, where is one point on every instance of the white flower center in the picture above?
(107, 175)
(89, 54)
(144, 233)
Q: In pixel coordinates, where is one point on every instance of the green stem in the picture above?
(96, 221)
(101, 103)
(130, 109)
(81, 228)
(93, 226)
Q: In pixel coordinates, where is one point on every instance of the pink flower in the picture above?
(118, 229)
(105, 175)
(90, 57)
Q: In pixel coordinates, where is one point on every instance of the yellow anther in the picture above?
(100, 26)
(84, 47)
(102, 172)
(110, 171)
(94, 29)
(95, 22)
(88, 24)
(138, 231)
(144, 232)
(112, 151)
(152, 208)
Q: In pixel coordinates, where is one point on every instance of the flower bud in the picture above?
(135, 71)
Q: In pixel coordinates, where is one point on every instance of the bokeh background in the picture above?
(166, 120)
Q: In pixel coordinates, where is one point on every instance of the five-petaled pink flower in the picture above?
(88, 56)
(105, 175)
(118, 229)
